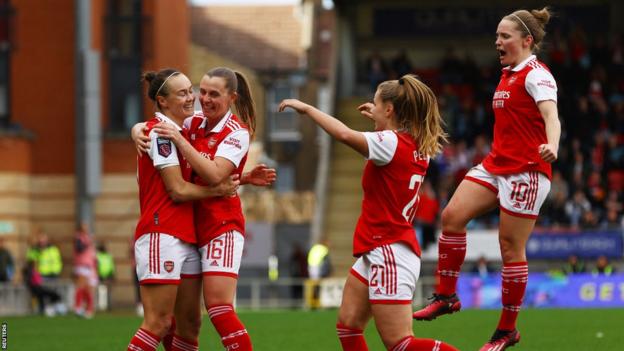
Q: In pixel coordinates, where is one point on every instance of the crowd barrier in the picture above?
(546, 291)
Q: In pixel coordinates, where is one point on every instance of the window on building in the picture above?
(6, 15)
(124, 53)
(283, 126)
(286, 180)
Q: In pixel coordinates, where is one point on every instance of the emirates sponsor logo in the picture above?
(502, 94)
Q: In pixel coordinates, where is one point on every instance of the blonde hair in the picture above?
(531, 23)
(416, 110)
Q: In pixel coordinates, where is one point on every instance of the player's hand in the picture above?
(168, 131)
(140, 138)
(261, 175)
(365, 109)
(548, 152)
(229, 187)
(295, 104)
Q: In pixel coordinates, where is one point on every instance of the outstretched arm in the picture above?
(331, 125)
(261, 175)
(548, 109)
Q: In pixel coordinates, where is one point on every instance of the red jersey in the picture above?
(228, 139)
(392, 176)
(159, 214)
(519, 127)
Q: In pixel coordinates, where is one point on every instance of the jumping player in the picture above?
(515, 176)
(408, 131)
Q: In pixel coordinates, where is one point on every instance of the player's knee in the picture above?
(451, 220)
(159, 324)
(510, 250)
(351, 321)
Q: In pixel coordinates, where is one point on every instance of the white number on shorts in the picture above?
(215, 251)
(519, 191)
(410, 209)
(377, 275)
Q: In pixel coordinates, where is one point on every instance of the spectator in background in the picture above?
(106, 272)
(319, 264)
(42, 293)
(7, 267)
(426, 217)
(298, 269)
(49, 260)
(576, 207)
(482, 268)
(401, 65)
(603, 267)
(574, 266)
(376, 69)
(85, 273)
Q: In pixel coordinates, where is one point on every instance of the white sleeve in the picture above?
(541, 85)
(234, 147)
(381, 146)
(187, 122)
(162, 152)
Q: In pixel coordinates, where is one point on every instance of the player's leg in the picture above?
(158, 304)
(159, 259)
(220, 262)
(392, 281)
(188, 305)
(521, 198)
(476, 195)
(355, 311)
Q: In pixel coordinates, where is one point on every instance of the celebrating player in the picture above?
(381, 285)
(515, 175)
(217, 146)
(167, 260)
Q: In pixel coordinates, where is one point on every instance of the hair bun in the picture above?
(149, 76)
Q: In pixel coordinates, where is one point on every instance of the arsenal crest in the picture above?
(164, 147)
(168, 266)
(212, 142)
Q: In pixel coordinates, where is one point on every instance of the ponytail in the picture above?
(417, 112)
(245, 105)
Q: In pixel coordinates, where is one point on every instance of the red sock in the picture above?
(78, 296)
(168, 338)
(88, 300)
(411, 343)
(451, 254)
(351, 339)
(180, 344)
(143, 341)
(515, 276)
(232, 331)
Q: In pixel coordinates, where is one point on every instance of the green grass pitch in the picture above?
(542, 329)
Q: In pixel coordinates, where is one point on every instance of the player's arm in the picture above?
(331, 125)
(548, 109)
(211, 171)
(180, 190)
(140, 138)
(261, 175)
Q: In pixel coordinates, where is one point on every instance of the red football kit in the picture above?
(228, 139)
(392, 176)
(519, 127)
(159, 214)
